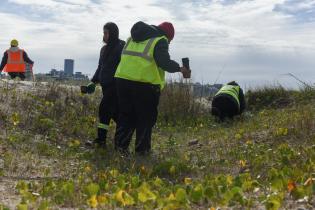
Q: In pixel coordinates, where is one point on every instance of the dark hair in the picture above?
(113, 32)
(233, 83)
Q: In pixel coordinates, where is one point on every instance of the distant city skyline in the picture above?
(69, 66)
(67, 72)
(255, 42)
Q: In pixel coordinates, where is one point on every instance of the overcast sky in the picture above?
(254, 42)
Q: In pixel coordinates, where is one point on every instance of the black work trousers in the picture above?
(108, 110)
(138, 103)
(13, 75)
(225, 106)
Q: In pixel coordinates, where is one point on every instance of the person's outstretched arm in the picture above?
(163, 59)
(27, 59)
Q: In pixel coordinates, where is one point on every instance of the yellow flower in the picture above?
(124, 198)
(285, 131)
(145, 194)
(102, 199)
(242, 163)
(76, 143)
(87, 169)
(281, 132)
(171, 197)
(92, 202)
(158, 182)
(229, 180)
(187, 181)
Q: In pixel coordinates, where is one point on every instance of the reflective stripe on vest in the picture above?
(144, 54)
(103, 126)
(232, 91)
(138, 64)
(15, 62)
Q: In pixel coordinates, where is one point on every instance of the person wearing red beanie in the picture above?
(169, 30)
(140, 77)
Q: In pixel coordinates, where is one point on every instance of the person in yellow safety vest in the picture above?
(140, 77)
(14, 61)
(228, 102)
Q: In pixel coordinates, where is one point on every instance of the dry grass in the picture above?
(43, 131)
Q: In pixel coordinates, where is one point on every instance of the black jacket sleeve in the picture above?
(117, 54)
(95, 78)
(162, 57)
(242, 101)
(4, 61)
(27, 59)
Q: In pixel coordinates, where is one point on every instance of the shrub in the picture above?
(178, 104)
(272, 97)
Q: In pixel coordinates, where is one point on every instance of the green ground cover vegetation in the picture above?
(264, 159)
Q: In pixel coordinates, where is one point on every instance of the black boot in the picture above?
(101, 137)
(100, 141)
(143, 141)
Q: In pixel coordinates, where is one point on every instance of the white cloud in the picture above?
(253, 37)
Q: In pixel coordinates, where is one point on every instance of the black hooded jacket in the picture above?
(141, 32)
(241, 96)
(109, 57)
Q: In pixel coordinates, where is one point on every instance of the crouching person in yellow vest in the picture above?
(140, 77)
(228, 102)
(14, 61)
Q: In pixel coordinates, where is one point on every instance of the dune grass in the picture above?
(263, 159)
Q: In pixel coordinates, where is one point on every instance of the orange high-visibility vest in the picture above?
(15, 61)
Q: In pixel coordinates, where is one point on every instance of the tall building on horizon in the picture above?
(69, 67)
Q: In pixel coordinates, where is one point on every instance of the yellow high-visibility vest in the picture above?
(137, 62)
(231, 90)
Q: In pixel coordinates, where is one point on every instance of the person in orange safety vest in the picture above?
(14, 61)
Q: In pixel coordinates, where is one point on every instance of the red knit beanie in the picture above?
(168, 28)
